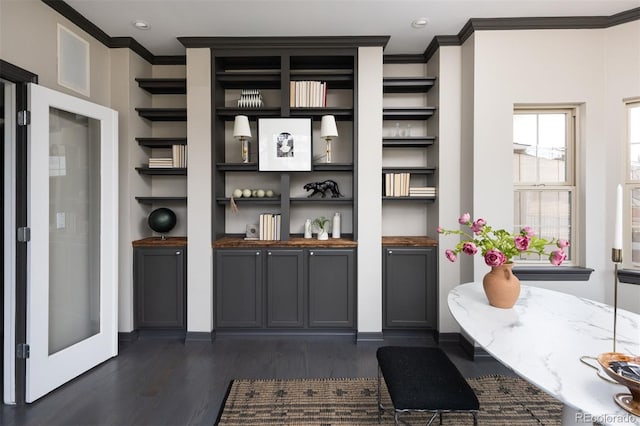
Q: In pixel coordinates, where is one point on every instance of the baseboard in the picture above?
(474, 352)
(200, 336)
(444, 338)
(410, 334)
(162, 334)
(369, 336)
(127, 336)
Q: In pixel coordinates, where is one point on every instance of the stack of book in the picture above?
(250, 98)
(161, 163)
(179, 155)
(270, 226)
(308, 94)
(396, 184)
(422, 191)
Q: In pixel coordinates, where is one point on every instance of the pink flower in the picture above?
(464, 219)
(522, 242)
(477, 226)
(469, 248)
(439, 230)
(557, 257)
(450, 255)
(528, 231)
(563, 244)
(494, 257)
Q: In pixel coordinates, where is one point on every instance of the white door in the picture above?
(72, 254)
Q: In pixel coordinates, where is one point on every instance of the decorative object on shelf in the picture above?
(322, 188)
(252, 232)
(242, 131)
(307, 228)
(284, 144)
(328, 130)
(162, 220)
(335, 225)
(499, 247)
(250, 98)
(322, 224)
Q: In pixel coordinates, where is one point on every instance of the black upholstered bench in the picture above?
(423, 379)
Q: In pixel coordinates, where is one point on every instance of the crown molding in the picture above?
(283, 42)
(403, 59)
(14, 73)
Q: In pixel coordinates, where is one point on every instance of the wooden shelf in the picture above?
(161, 142)
(234, 242)
(332, 167)
(159, 242)
(416, 113)
(407, 84)
(341, 114)
(335, 79)
(163, 86)
(407, 198)
(413, 170)
(319, 199)
(409, 241)
(229, 113)
(169, 171)
(237, 167)
(249, 200)
(163, 114)
(409, 142)
(155, 200)
(249, 80)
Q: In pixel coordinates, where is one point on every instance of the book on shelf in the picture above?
(179, 155)
(308, 94)
(160, 162)
(397, 184)
(270, 224)
(422, 191)
(250, 98)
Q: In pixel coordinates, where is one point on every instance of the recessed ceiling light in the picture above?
(140, 24)
(420, 23)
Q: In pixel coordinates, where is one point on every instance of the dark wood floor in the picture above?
(167, 382)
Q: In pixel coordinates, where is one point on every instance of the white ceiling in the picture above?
(226, 18)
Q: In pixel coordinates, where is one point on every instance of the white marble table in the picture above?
(542, 339)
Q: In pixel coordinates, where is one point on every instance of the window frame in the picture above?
(629, 186)
(571, 183)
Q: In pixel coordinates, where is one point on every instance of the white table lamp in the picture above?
(328, 130)
(242, 131)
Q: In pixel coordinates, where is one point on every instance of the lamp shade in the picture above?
(328, 127)
(241, 126)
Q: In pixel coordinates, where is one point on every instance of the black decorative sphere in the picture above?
(162, 220)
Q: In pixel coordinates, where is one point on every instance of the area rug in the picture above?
(503, 401)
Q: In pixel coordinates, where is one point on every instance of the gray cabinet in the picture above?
(160, 287)
(285, 288)
(331, 288)
(239, 288)
(410, 287)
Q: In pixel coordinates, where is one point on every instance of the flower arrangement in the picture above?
(498, 246)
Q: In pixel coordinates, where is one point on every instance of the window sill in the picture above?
(629, 276)
(554, 273)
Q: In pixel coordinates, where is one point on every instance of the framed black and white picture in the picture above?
(284, 144)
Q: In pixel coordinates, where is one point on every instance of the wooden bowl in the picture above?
(630, 402)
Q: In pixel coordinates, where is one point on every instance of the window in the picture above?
(632, 184)
(544, 143)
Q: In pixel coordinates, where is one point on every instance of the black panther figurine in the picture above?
(323, 187)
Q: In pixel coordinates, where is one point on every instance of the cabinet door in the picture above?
(159, 281)
(238, 288)
(331, 288)
(285, 288)
(409, 287)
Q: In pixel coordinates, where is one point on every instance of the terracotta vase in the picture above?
(501, 286)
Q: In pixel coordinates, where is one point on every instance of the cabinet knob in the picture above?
(269, 253)
(257, 253)
(178, 253)
(390, 251)
(310, 253)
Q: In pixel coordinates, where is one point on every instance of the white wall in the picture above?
(543, 67)
(199, 254)
(369, 279)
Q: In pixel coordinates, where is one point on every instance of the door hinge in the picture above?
(22, 351)
(24, 118)
(24, 234)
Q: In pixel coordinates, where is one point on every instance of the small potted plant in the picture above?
(322, 225)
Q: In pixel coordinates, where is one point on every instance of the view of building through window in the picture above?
(543, 166)
(633, 179)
